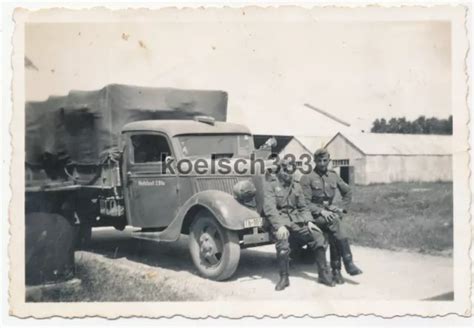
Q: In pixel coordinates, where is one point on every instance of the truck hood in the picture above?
(212, 179)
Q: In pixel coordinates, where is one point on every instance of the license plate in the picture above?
(255, 222)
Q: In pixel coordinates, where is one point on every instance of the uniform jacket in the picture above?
(321, 188)
(284, 205)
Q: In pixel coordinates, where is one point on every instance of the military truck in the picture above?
(110, 157)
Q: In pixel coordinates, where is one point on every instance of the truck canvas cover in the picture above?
(81, 127)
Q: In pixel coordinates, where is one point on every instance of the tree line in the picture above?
(421, 125)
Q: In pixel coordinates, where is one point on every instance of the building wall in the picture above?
(340, 149)
(384, 169)
(391, 168)
(294, 147)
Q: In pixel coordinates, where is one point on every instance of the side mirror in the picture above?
(269, 144)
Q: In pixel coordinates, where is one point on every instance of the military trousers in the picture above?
(300, 234)
(336, 228)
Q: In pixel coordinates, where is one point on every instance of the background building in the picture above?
(294, 145)
(367, 158)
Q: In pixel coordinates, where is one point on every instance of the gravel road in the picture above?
(388, 275)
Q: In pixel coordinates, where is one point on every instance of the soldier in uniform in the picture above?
(319, 187)
(285, 209)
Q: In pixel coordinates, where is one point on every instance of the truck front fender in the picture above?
(228, 211)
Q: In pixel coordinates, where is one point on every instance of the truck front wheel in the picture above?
(215, 250)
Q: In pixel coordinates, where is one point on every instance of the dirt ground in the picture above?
(164, 271)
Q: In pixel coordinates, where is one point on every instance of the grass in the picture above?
(413, 216)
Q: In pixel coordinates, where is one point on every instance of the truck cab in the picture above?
(179, 177)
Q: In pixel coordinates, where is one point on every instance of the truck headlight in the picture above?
(244, 191)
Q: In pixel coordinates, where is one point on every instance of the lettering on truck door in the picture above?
(152, 193)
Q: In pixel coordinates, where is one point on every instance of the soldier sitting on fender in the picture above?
(319, 187)
(285, 208)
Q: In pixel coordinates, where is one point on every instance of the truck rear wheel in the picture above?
(215, 250)
(83, 236)
(49, 248)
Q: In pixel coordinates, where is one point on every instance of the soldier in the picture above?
(285, 209)
(319, 187)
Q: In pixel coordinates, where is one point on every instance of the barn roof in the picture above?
(312, 143)
(399, 144)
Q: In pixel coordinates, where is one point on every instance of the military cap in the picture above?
(321, 152)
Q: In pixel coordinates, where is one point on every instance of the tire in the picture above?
(49, 248)
(83, 236)
(214, 249)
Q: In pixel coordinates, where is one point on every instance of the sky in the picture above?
(357, 71)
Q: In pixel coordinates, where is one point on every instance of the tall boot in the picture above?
(345, 250)
(324, 274)
(335, 262)
(283, 260)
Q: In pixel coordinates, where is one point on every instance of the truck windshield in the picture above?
(217, 146)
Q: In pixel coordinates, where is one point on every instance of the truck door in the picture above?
(151, 193)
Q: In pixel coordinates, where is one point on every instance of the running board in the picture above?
(153, 236)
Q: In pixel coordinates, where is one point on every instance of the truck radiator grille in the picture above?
(218, 183)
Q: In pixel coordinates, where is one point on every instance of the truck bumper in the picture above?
(256, 238)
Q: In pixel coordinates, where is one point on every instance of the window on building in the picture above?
(149, 148)
(340, 162)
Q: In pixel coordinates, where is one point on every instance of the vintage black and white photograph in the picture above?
(309, 158)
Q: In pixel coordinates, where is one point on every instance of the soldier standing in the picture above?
(285, 209)
(319, 187)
